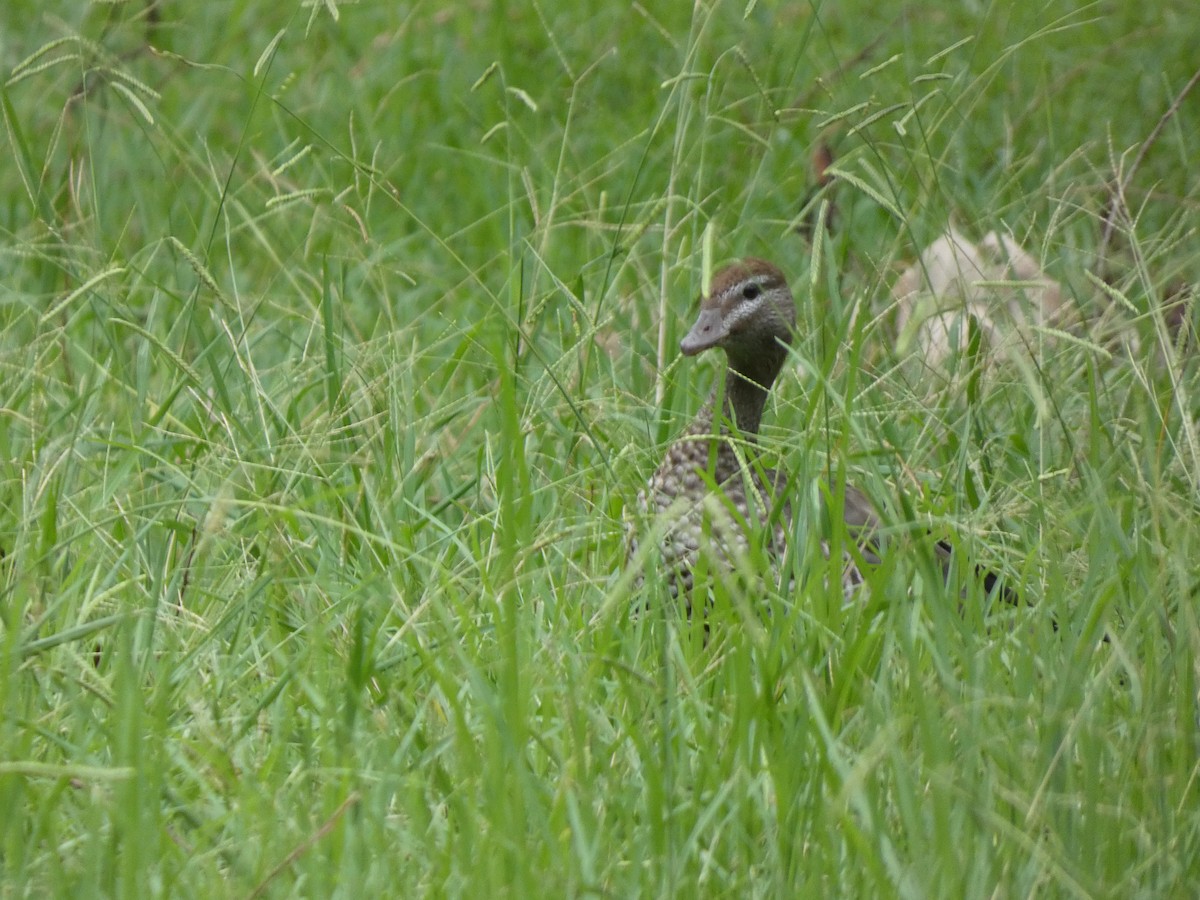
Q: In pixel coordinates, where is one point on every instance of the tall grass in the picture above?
(336, 348)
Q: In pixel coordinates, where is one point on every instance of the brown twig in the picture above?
(810, 206)
(307, 844)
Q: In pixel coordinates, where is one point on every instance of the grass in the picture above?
(335, 349)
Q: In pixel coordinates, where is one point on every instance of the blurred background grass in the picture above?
(333, 342)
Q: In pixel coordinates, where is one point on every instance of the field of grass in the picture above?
(337, 339)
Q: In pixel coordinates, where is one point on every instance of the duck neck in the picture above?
(747, 385)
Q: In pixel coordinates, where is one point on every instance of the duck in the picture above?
(715, 500)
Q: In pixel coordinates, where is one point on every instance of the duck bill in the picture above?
(708, 331)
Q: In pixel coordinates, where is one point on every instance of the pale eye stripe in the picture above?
(744, 311)
(764, 282)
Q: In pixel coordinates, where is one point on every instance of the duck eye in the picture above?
(751, 291)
